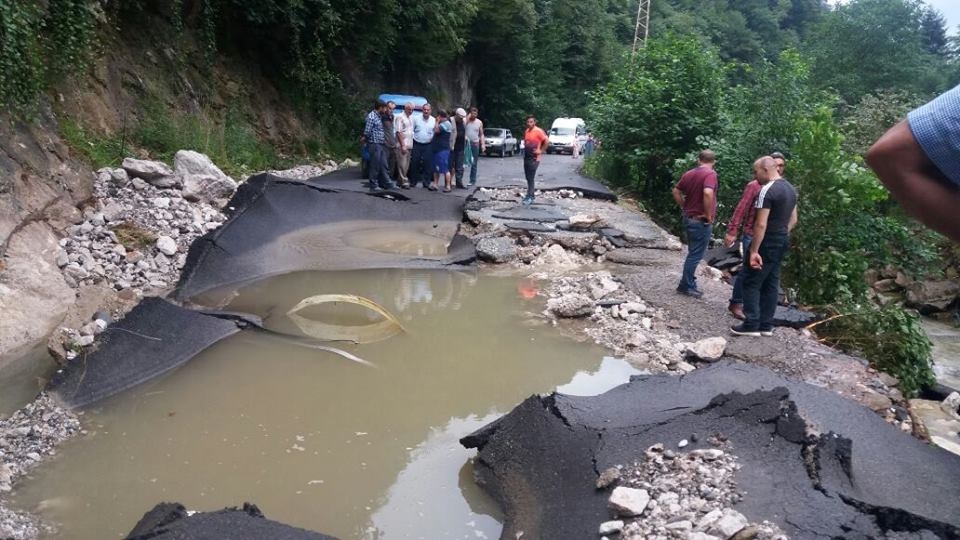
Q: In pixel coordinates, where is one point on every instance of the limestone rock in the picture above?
(583, 221)
(151, 171)
(167, 245)
(603, 286)
(201, 179)
(951, 405)
(608, 477)
(611, 527)
(570, 306)
(496, 250)
(932, 296)
(708, 350)
(628, 501)
(729, 524)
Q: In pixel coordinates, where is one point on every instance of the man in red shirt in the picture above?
(535, 141)
(696, 193)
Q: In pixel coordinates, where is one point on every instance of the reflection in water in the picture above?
(612, 373)
(314, 440)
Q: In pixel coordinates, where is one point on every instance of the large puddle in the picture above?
(316, 440)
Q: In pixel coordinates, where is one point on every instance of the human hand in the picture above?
(729, 239)
(756, 261)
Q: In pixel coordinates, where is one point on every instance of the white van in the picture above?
(564, 133)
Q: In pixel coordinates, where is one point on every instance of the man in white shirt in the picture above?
(404, 125)
(421, 159)
(477, 144)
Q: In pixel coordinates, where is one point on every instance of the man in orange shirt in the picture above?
(535, 141)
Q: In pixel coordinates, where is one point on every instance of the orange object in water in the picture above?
(528, 289)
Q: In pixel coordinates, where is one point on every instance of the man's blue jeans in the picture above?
(698, 236)
(475, 150)
(737, 297)
(762, 287)
(421, 164)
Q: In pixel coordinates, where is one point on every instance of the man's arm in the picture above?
(914, 181)
(759, 231)
(678, 196)
(483, 139)
(708, 204)
(733, 227)
(793, 220)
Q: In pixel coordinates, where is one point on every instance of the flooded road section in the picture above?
(316, 440)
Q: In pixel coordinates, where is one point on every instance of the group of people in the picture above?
(416, 147)
(768, 213)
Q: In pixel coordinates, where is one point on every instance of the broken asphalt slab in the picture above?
(864, 478)
(171, 521)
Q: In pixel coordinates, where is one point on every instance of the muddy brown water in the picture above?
(316, 440)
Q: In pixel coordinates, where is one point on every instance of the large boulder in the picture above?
(155, 172)
(497, 250)
(34, 297)
(571, 306)
(932, 296)
(201, 179)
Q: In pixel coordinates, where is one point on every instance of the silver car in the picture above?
(500, 141)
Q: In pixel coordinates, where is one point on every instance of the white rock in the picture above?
(162, 202)
(708, 454)
(611, 527)
(708, 350)
(84, 341)
(729, 524)
(63, 258)
(696, 535)
(709, 519)
(150, 171)
(682, 525)
(633, 307)
(113, 211)
(166, 245)
(684, 367)
(951, 405)
(683, 443)
(647, 323)
(628, 501)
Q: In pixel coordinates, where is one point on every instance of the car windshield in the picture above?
(493, 133)
(562, 131)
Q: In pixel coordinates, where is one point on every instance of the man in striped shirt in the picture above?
(776, 217)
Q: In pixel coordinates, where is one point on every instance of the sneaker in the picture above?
(390, 185)
(695, 293)
(404, 186)
(742, 330)
(374, 189)
(737, 311)
(527, 201)
(446, 189)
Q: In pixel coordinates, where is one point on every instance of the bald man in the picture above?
(776, 217)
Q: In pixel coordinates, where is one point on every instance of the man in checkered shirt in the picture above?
(918, 160)
(376, 143)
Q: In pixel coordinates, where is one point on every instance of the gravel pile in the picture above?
(305, 172)
(136, 237)
(26, 438)
(619, 320)
(687, 495)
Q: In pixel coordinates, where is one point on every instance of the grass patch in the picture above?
(134, 237)
(96, 151)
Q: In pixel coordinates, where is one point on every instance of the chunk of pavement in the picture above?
(729, 524)
(603, 286)
(628, 501)
(571, 306)
(497, 250)
(608, 477)
(951, 405)
(167, 245)
(708, 350)
(611, 527)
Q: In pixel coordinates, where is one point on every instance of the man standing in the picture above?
(696, 193)
(745, 214)
(478, 144)
(421, 160)
(442, 135)
(535, 141)
(776, 217)
(390, 139)
(459, 147)
(373, 133)
(404, 124)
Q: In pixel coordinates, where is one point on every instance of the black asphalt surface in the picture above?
(169, 521)
(868, 480)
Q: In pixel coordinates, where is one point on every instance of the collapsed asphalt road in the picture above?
(814, 463)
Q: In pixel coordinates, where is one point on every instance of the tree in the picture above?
(933, 29)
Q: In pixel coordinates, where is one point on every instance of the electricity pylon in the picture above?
(642, 29)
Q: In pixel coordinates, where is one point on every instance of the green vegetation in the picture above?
(717, 85)
(134, 237)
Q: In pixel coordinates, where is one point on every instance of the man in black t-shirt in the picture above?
(776, 216)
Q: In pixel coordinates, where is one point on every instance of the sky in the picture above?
(950, 10)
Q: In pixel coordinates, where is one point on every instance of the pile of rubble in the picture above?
(136, 235)
(26, 438)
(306, 172)
(687, 495)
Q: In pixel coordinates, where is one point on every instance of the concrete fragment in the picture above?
(628, 501)
(708, 350)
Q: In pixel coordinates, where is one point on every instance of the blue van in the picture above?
(400, 100)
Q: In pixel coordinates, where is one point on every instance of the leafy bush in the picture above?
(890, 337)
